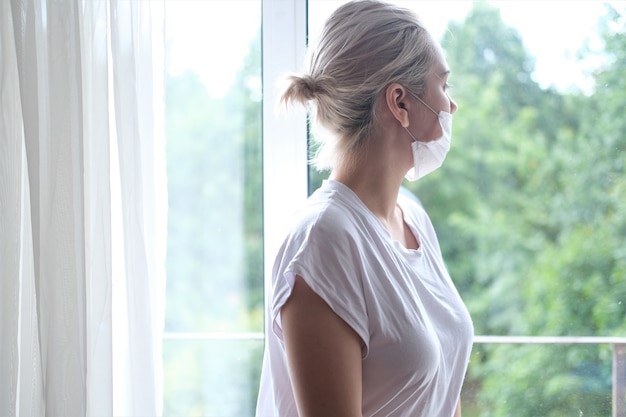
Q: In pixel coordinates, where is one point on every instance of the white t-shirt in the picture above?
(416, 332)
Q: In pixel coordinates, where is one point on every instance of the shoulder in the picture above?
(330, 214)
(323, 248)
(330, 221)
(330, 233)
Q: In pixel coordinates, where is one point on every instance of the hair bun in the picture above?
(309, 87)
(304, 88)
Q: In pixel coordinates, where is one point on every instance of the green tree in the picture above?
(215, 181)
(529, 210)
(479, 201)
(580, 276)
(215, 242)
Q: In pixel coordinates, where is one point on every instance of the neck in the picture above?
(375, 186)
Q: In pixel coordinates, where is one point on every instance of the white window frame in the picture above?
(285, 174)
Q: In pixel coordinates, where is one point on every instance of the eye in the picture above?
(447, 86)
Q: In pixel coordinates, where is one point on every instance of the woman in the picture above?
(364, 319)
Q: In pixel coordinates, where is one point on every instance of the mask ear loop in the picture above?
(410, 134)
(423, 102)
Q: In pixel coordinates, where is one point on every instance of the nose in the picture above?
(453, 106)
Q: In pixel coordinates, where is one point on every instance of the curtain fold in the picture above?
(98, 235)
(82, 207)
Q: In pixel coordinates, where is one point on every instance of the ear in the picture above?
(396, 100)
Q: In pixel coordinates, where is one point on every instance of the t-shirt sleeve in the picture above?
(327, 257)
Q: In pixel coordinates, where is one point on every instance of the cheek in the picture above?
(431, 129)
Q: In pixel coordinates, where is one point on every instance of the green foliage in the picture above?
(215, 230)
(211, 378)
(545, 380)
(215, 242)
(485, 48)
(529, 208)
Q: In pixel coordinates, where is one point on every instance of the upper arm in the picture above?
(323, 354)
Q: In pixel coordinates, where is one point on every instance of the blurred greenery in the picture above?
(211, 377)
(529, 209)
(215, 229)
(215, 243)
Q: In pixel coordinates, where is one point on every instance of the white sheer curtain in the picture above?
(82, 207)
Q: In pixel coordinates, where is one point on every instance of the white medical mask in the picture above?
(428, 156)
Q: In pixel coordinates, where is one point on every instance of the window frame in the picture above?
(285, 175)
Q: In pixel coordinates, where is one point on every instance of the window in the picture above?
(214, 310)
(528, 206)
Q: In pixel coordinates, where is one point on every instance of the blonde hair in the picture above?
(365, 45)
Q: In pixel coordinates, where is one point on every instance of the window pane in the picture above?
(214, 313)
(211, 377)
(575, 380)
